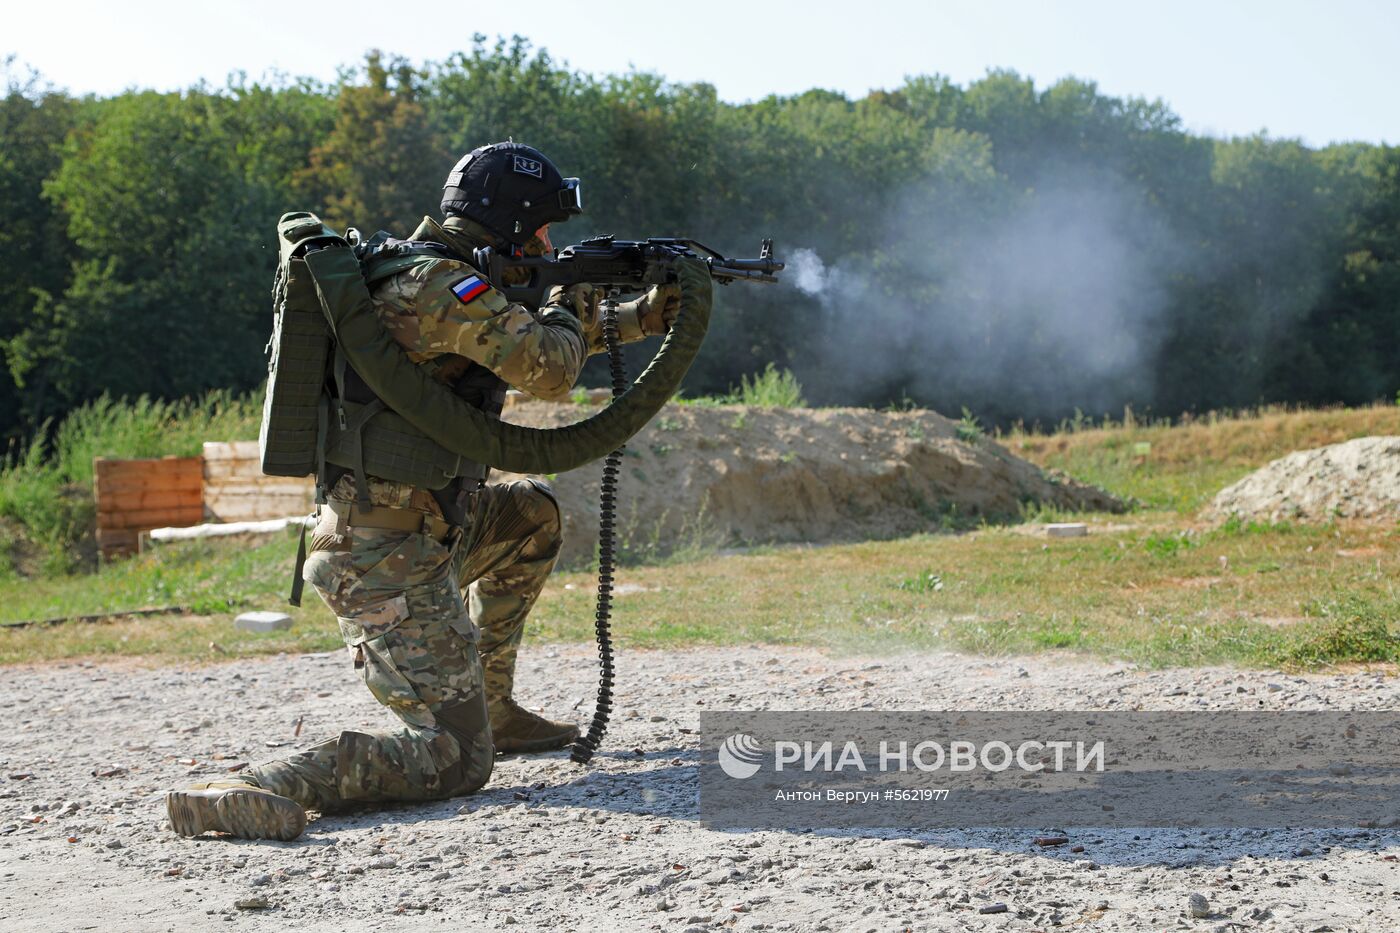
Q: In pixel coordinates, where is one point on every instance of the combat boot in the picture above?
(234, 807)
(516, 729)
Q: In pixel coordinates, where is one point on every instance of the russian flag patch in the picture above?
(470, 289)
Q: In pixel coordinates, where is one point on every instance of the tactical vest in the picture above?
(320, 416)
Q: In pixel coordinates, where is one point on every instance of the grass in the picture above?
(1251, 595)
(213, 580)
(1180, 468)
(46, 487)
(1155, 587)
(772, 388)
(969, 429)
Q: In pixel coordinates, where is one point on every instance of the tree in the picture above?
(380, 166)
(34, 121)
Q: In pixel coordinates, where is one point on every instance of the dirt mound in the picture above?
(1358, 479)
(701, 476)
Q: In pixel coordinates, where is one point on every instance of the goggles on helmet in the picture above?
(571, 197)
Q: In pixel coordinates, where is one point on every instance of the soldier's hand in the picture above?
(582, 299)
(657, 309)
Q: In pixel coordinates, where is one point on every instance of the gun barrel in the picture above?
(751, 270)
(724, 275)
(757, 265)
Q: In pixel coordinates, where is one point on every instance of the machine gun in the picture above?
(618, 266)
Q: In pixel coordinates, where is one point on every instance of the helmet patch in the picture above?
(531, 167)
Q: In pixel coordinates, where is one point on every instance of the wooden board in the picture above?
(141, 500)
(231, 450)
(134, 496)
(235, 489)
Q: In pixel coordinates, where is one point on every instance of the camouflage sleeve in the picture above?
(447, 307)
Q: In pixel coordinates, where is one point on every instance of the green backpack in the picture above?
(295, 409)
(305, 424)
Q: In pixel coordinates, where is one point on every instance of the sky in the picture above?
(1321, 72)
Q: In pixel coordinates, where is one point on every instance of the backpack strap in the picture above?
(354, 428)
(380, 257)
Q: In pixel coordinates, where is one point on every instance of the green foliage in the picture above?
(151, 428)
(138, 227)
(772, 388)
(369, 171)
(1348, 628)
(969, 429)
(37, 496)
(1235, 526)
(46, 488)
(1168, 545)
(170, 201)
(926, 582)
(205, 577)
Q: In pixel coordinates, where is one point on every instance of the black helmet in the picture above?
(510, 189)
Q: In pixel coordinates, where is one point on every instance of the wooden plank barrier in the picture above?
(134, 496)
(235, 489)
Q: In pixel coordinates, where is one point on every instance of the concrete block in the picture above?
(1067, 530)
(263, 621)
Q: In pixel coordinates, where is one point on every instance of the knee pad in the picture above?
(393, 767)
(556, 521)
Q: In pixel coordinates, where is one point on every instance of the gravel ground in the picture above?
(91, 748)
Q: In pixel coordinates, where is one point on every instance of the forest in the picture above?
(1026, 253)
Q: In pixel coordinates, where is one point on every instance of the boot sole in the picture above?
(548, 744)
(247, 814)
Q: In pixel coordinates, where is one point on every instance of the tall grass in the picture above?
(1181, 466)
(46, 486)
(773, 388)
(151, 428)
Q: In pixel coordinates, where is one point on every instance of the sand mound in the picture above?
(732, 476)
(1357, 479)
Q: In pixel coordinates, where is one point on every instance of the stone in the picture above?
(1197, 906)
(263, 622)
(1066, 530)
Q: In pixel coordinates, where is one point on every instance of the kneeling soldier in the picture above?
(427, 584)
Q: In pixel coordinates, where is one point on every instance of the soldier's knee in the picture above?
(543, 506)
(542, 523)
(469, 724)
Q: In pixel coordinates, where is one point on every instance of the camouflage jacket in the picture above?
(445, 311)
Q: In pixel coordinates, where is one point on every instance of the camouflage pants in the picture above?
(401, 610)
(512, 543)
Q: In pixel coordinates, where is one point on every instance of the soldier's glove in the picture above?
(581, 300)
(655, 311)
(585, 302)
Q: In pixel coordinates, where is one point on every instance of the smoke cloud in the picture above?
(1055, 304)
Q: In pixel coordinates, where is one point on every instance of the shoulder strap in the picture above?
(382, 256)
